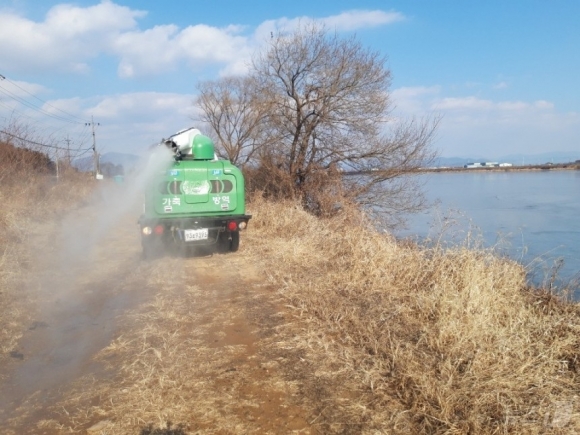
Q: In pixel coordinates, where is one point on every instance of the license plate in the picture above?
(192, 235)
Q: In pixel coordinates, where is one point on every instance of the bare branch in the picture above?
(315, 107)
(235, 116)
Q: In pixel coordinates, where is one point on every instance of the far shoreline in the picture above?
(573, 166)
(544, 167)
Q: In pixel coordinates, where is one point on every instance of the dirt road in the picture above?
(117, 344)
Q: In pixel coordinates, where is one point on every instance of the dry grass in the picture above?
(374, 336)
(187, 356)
(31, 200)
(381, 337)
(420, 340)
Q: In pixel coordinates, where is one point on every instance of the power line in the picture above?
(85, 151)
(13, 110)
(36, 107)
(83, 135)
(17, 110)
(31, 142)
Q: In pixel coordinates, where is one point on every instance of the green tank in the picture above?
(193, 199)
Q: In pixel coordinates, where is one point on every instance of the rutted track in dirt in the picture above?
(96, 297)
(237, 328)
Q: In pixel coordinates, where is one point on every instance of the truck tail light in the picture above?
(232, 226)
(158, 230)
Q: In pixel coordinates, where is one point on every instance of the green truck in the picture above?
(193, 198)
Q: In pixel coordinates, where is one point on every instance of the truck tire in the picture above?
(223, 243)
(228, 242)
(235, 242)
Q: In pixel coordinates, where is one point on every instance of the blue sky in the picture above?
(503, 75)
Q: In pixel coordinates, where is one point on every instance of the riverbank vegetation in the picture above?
(414, 339)
(379, 335)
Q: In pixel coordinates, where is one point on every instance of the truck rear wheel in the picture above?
(235, 242)
(229, 242)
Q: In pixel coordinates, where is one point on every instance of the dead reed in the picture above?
(410, 339)
(373, 335)
(377, 336)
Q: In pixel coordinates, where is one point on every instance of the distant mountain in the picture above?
(538, 159)
(128, 161)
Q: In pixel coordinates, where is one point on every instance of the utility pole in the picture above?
(95, 153)
(67, 140)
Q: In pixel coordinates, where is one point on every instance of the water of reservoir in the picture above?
(531, 216)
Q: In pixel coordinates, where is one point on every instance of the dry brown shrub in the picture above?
(409, 339)
(18, 162)
(321, 193)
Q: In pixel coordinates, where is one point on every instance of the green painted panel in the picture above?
(191, 188)
(196, 185)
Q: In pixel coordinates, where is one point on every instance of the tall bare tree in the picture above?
(235, 114)
(324, 107)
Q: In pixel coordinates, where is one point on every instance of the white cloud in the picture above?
(66, 40)
(128, 122)
(542, 104)
(145, 105)
(359, 19)
(470, 103)
(133, 121)
(71, 106)
(24, 102)
(477, 105)
(166, 48)
(69, 21)
(71, 36)
(512, 105)
(16, 88)
(411, 100)
(345, 21)
(487, 126)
